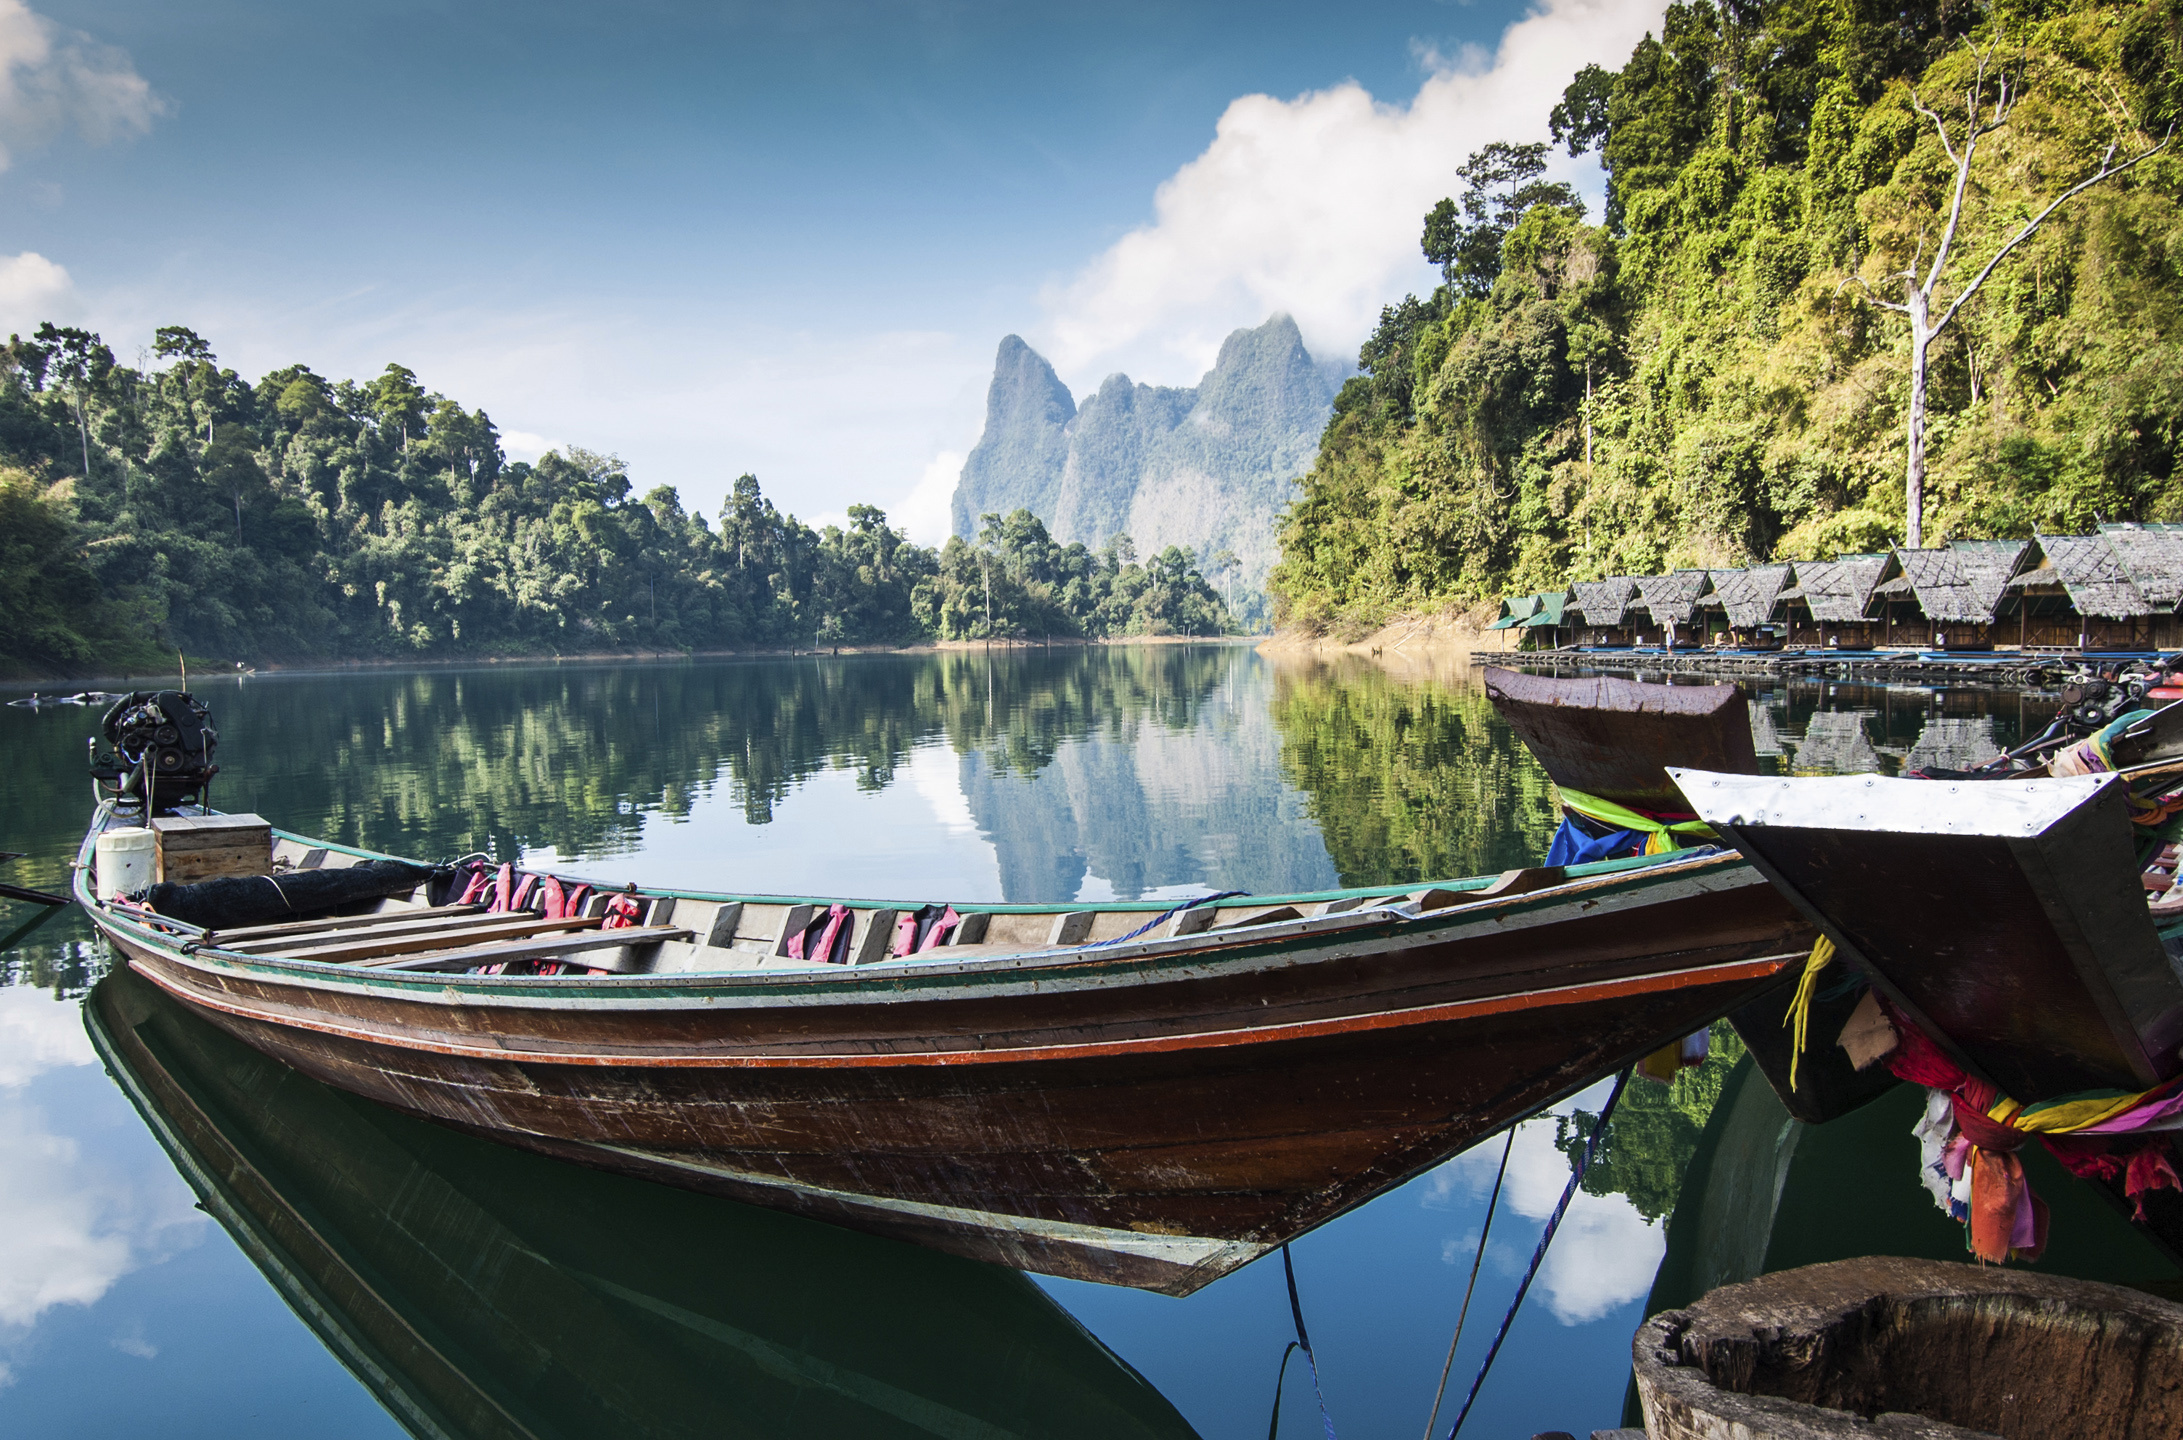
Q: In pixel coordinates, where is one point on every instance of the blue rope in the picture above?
(1301, 1342)
(1546, 1238)
(1273, 1429)
(1477, 1261)
(1169, 915)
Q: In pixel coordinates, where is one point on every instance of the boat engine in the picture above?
(162, 750)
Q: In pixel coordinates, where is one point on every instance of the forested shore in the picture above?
(179, 507)
(1719, 368)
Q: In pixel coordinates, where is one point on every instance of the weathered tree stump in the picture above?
(1913, 1350)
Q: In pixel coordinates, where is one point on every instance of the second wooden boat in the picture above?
(1600, 738)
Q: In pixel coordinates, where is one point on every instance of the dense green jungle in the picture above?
(1709, 373)
(180, 507)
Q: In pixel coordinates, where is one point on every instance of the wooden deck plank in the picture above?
(391, 924)
(543, 949)
(410, 944)
(336, 922)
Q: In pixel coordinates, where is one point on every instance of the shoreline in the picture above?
(30, 683)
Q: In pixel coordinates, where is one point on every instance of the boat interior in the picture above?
(477, 917)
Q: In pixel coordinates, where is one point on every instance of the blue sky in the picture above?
(778, 238)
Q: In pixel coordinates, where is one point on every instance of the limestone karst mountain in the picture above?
(1207, 468)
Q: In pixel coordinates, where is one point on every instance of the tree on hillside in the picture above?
(1982, 117)
(76, 360)
(1465, 241)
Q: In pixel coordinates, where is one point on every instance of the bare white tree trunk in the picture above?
(1918, 300)
(1921, 339)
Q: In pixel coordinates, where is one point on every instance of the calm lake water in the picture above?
(353, 1257)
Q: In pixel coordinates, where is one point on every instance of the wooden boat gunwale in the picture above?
(829, 981)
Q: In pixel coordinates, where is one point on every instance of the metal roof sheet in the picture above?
(1549, 607)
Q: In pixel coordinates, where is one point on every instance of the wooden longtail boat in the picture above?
(484, 1293)
(1616, 739)
(1064, 1095)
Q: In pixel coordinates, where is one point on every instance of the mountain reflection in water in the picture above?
(478, 1291)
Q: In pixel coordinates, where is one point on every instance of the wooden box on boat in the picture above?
(190, 848)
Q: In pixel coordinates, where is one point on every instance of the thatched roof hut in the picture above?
(2092, 574)
(1672, 598)
(1838, 591)
(2152, 556)
(1961, 583)
(1750, 596)
(1604, 602)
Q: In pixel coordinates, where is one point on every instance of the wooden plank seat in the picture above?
(391, 924)
(411, 943)
(336, 922)
(540, 949)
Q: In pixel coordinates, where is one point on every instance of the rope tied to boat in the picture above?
(1156, 920)
(1301, 1342)
(1477, 1261)
(1577, 1170)
(1799, 1019)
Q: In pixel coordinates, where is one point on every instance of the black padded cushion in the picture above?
(240, 900)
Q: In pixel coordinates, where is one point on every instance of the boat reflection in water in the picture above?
(1766, 1192)
(481, 1291)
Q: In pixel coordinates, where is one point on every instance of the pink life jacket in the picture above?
(554, 899)
(503, 888)
(833, 935)
(474, 891)
(941, 929)
(923, 929)
(623, 912)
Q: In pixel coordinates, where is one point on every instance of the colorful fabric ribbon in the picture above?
(1976, 1175)
(1660, 830)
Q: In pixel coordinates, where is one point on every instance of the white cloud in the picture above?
(1604, 1255)
(54, 79)
(1314, 205)
(39, 1033)
(33, 288)
(523, 445)
(925, 512)
(73, 1228)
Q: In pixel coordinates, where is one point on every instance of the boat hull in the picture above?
(1152, 1115)
(1614, 738)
